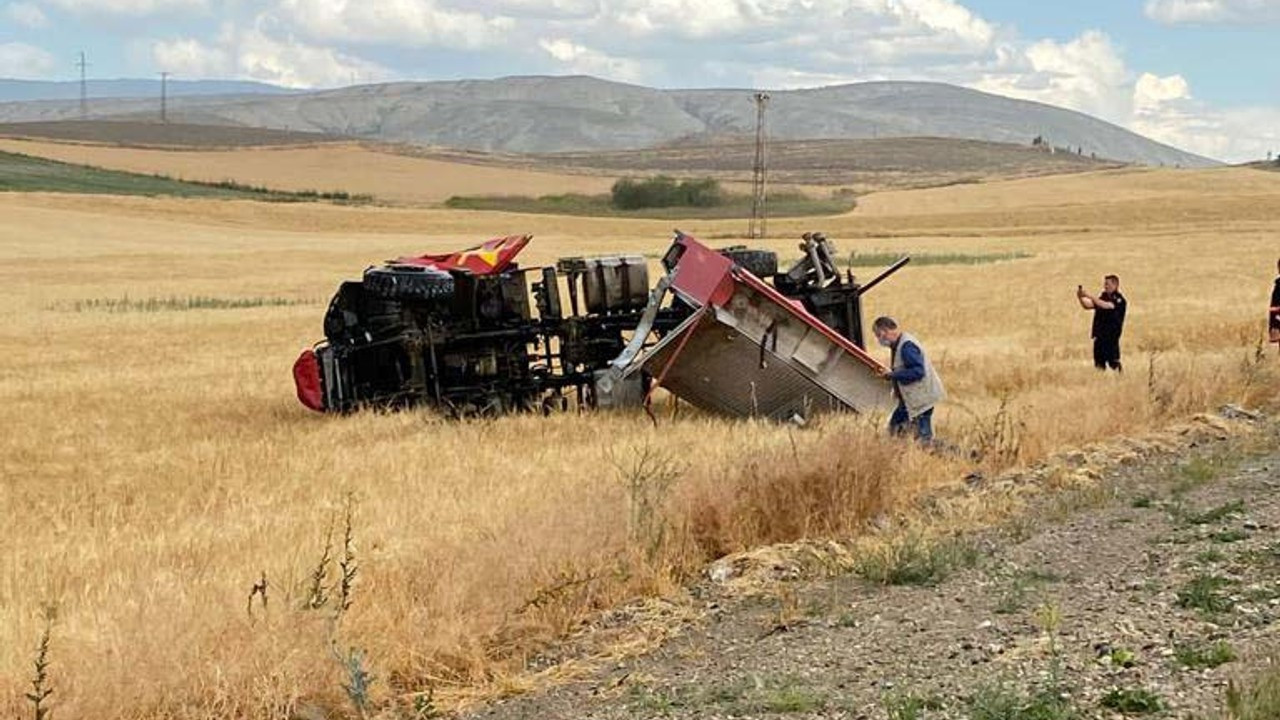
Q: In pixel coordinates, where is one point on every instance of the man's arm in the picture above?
(912, 365)
(1083, 297)
(1096, 303)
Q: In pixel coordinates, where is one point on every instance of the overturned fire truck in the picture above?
(458, 332)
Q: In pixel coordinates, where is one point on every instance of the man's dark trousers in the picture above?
(1106, 352)
(901, 422)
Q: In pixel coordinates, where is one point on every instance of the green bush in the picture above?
(663, 191)
(1132, 701)
(915, 560)
(1002, 702)
(1204, 655)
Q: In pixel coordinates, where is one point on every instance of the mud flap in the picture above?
(306, 377)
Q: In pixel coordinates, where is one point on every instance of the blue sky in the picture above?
(1199, 74)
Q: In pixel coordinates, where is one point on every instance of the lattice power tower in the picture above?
(759, 172)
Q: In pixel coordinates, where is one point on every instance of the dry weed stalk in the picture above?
(1159, 394)
(566, 580)
(318, 592)
(348, 564)
(40, 688)
(998, 439)
(647, 480)
(259, 589)
(1256, 372)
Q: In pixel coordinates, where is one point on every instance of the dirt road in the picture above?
(1143, 595)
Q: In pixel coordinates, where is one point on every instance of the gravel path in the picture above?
(1097, 603)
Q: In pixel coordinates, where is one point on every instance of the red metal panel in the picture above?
(708, 277)
(489, 258)
(702, 274)
(306, 377)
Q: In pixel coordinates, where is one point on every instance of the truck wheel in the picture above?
(761, 263)
(408, 282)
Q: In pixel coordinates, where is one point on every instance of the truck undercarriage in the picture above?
(459, 332)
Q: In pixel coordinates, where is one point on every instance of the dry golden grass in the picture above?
(351, 167)
(155, 465)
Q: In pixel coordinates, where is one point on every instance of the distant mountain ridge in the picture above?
(542, 114)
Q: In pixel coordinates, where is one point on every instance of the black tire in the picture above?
(761, 263)
(408, 282)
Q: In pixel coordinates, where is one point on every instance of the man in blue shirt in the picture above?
(916, 384)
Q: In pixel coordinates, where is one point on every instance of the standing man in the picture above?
(1108, 322)
(915, 383)
(1273, 312)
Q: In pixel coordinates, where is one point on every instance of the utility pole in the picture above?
(84, 88)
(164, 97)
(759, 214)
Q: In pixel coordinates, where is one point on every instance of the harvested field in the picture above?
(1159, 196)
(156, 464)
(349, 167)
(408, 174)
(859, 164)
(23, 173)
(155, 134)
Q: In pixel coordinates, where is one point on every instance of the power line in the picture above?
(84, 88)
(759, 212)
(164, 96)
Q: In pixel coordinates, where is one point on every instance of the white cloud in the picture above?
(21, 61)
(1165, 110)
(191, 58)
(412, 23)
(946, 18)
(534, 9)
(1152, 92)
(1174, 12)
(901, 27)
(133, 8)
(26, 14)
(580, 59)
(1085, 74)
(253, 54)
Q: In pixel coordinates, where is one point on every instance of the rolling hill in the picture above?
(558, 114)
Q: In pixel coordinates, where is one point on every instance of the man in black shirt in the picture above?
(1108, 321)
(1273, 312)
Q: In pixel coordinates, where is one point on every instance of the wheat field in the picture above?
(350, 167)
(156, 464)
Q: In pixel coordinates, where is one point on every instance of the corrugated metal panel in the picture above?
(723, 370)
(719, 369)
(754, 352)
